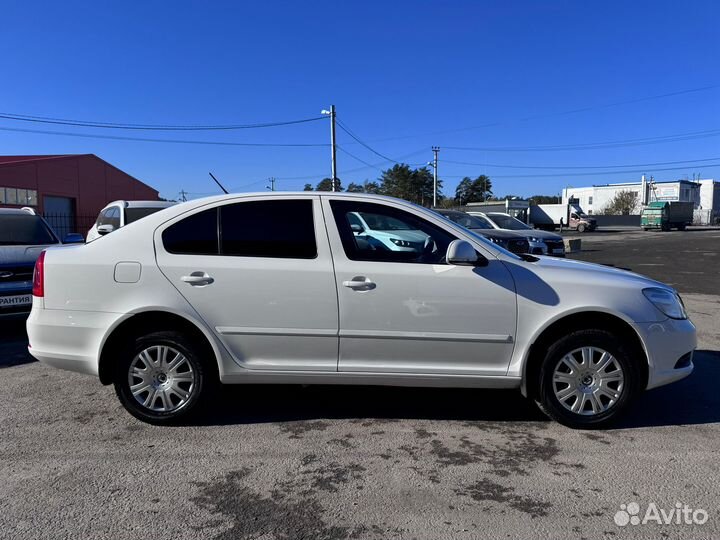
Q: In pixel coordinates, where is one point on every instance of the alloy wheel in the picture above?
(161, 379)
(588, 381)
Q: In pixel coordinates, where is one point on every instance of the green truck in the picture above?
(666, 215)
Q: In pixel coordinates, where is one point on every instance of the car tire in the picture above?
(588, 378)
(162, 378)
(581, 228)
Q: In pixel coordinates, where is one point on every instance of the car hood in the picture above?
(573, 271)
(499, 233)
(19, 255)
(542, 235)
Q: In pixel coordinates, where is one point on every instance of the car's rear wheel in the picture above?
(162, 378)
(587, 379)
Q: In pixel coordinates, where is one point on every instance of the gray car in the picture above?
(23, 235)
(510, 240)
(541, 242)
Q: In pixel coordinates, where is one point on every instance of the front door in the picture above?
(403, 309)
(259, 273)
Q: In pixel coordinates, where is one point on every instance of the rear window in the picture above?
(133, 214)
(24, 230)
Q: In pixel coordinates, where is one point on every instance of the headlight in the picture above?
(400, 243)
(534, 239)
(498, 241)
(666, 301)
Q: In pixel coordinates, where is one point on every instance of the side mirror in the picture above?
(356, 228)
(105, 229)
(74, 238)
(461, 253)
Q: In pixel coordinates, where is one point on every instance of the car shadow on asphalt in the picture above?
(691, 401)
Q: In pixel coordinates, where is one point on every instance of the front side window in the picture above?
(276, 228)
(391, 235)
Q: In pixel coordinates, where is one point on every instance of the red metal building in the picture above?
(70, 190)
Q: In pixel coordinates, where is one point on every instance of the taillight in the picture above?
(39, 276)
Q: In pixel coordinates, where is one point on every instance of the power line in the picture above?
(349, 132)
(598, 145)
(357, 158)
(578, 166)
(146, 139)
(150, 127)
(596, 173)
(551, 114)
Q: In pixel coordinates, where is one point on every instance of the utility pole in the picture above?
(435, 150)
(333, 155)
(271, 187)
(183, 195)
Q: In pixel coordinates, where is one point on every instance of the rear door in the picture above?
(259, 272)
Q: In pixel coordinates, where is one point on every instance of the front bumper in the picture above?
(68, 339)
(666, 343)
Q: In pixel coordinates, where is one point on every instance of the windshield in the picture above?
(377, 222)
(133, 214)
(508, 222)
(468, 221)
(24, 230)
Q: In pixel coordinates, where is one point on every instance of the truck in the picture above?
(666, 215)
(570, 216)
(517, 208)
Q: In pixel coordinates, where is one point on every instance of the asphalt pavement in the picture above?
(361, 462)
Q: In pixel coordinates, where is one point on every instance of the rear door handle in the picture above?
(198, 279)
(359, 283)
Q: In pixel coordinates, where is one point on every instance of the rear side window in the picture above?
(24, 230)
(194, 235)
(278, 228)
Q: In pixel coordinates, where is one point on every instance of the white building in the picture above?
(704, 194)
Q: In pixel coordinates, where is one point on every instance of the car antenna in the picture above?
(218, 183)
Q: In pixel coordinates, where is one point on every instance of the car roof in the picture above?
(141, 204)
(18, 211)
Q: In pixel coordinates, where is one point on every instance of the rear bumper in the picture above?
(666, 343)
(68, 339)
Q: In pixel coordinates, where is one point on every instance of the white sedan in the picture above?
(277, 288)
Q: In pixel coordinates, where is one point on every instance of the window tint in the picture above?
(281, 228)
(133, 214)
(194, 235)
(468, 221)
(402, 237)
(24, 230)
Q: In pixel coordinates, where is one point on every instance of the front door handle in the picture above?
(198, 279)
(359, 283)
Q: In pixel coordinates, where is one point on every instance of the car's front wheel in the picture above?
(587, 379)
(162, 377)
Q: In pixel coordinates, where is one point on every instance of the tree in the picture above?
(372, 187)
(544, 199)
(623, 203)
(326, 185)
(355, 188)
(415, 185)
(308, 187)
(469, 190)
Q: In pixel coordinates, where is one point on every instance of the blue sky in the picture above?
(404, 76)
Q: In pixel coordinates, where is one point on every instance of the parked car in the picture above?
(386, 233)
(510, 240)
(119, 213)
(276, 288)
(540, 242)
(23, 235)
